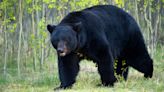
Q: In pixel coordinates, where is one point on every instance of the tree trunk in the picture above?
(155, 24)
(20, 36)
(136, 11)
(152, 21)
(34, 33)
(42, 42)
(6, 45)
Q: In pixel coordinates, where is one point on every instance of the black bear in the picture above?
(102, 33)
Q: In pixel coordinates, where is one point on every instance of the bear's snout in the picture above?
(62, 48)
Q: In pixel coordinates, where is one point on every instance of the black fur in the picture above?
(103, 34)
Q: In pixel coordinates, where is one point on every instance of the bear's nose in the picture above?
(60, 50)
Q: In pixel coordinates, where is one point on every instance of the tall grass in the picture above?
(87, 80)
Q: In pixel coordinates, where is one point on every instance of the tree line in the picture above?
(24, 37)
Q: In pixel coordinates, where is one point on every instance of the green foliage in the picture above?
(119, 3)
(43, 34)
(8, 15)
(32, 40)
(119, 77)
(12, 27)
(51, 3)
(33, 6)
(81, 4)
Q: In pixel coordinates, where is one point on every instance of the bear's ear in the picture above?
(77, 26)
(50, 28)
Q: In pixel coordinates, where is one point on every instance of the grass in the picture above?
(87, 80)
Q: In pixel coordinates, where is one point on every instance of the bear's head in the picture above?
(64, 37)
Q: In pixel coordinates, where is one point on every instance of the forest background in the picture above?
(28, 62)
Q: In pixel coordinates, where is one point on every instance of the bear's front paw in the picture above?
(63, 87)
(108, 84)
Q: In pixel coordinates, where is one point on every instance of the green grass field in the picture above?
(87, 80)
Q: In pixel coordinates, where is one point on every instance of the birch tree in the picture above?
(20, 36)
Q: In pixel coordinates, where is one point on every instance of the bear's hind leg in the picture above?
(143, 65)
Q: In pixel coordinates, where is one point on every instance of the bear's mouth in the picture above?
(62, 54)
